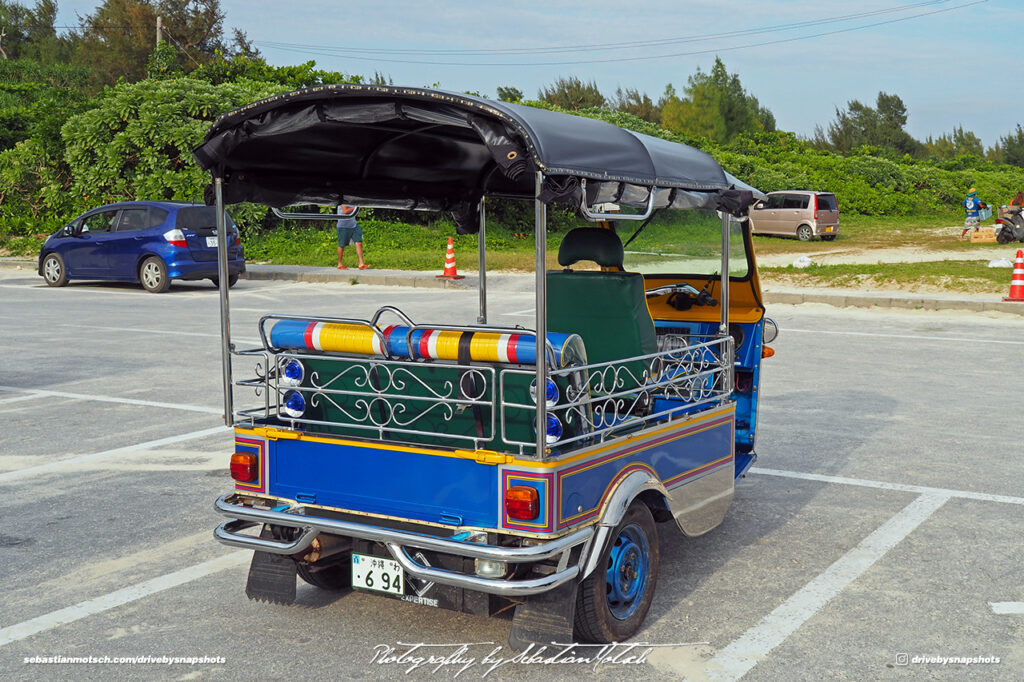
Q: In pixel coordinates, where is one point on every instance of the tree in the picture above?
(632, 101)
(958, 143)
(715, 106)
(1010, 149)
(118, 38)
(881, 126)
(509, 94)
(573, 94)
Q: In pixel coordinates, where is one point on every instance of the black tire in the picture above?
(804, 233)
(828, 237)
(334, 577)
(55, 273)
(1004, 236)
(613, 601)
(153, 275)
(232, 280)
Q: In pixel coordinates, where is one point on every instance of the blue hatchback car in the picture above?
(151, 242)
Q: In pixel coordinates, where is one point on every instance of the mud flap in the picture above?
(271, 576)
(545, 618)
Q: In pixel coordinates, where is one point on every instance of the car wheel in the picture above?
(829, 237)
(612, 602)
(54, 272)
(804, 233)
(153, 275)
(232, 280)
(337, 576)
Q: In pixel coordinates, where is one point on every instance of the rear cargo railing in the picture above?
(480, 405)
(607, 399)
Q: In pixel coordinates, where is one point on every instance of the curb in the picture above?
(400, 278)
(393, 278)
(894, 302)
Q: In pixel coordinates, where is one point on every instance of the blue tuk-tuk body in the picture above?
(420, 460)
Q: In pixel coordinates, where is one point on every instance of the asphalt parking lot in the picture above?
(878, 536)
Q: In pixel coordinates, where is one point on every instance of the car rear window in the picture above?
(156, 217)
(199, 218)
(827, 202)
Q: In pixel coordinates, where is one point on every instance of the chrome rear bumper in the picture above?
(397, 542)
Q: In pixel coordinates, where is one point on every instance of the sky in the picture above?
(953, 62)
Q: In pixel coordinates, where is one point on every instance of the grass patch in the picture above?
(965, 276)
(936, 232)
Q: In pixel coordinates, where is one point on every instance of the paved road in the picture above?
(883, 518)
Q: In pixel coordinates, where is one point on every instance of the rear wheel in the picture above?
(337, 576)
(613, 601)
(54, 272)
(804, 233)
(153, 275)
(232, 279)
(1004, 236)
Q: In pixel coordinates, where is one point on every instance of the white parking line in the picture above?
(161, 332)
(124, 401)
(902, 487)
(1007, 608)
(906, 336)
(19, 398)
(14, 633)
(149, 445)
(736, 660)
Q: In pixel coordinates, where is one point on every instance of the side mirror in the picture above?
(759, 205)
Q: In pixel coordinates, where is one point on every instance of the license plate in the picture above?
(211, 242)
(828, 229)
(377, 574)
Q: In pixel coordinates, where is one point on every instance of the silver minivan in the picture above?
(800, 214)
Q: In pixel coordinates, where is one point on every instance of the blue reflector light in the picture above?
(293, 405)
(554, 429)
(292, 373)
(551, 395)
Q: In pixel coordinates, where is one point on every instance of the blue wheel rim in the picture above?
(626, 577)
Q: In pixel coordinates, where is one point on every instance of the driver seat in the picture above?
(608, 309)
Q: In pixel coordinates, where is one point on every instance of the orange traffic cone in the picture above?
(449, 264)
(1017, 281)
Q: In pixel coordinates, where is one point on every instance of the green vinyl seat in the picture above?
(608, 309)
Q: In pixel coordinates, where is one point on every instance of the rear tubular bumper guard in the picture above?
(397, 542)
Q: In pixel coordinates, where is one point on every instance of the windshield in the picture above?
(684, 242)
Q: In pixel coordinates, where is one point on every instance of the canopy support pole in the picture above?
(222, 281)
(540, 236)
(481, 240)
(723, 329)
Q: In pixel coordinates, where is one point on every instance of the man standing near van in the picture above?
(349, 232)
(972, 204)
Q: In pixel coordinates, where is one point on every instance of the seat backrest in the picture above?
(608, 309)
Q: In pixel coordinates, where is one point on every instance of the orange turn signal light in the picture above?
(244, 466)
(522, 502)
(767, 351)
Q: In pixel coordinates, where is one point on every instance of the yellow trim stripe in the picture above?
(271, 433)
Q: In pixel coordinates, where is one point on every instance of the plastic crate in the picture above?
(985, 213)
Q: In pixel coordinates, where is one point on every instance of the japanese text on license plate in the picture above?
(377, 573)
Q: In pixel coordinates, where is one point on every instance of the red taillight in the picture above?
(522, 502)
(815, 206)
(238, 240)
(244, 466)
(176, 237)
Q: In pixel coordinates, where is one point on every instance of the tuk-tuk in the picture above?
(479, 467)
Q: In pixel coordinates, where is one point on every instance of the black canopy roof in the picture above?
(420, 148)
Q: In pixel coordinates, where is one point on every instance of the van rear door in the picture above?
(828, 212)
